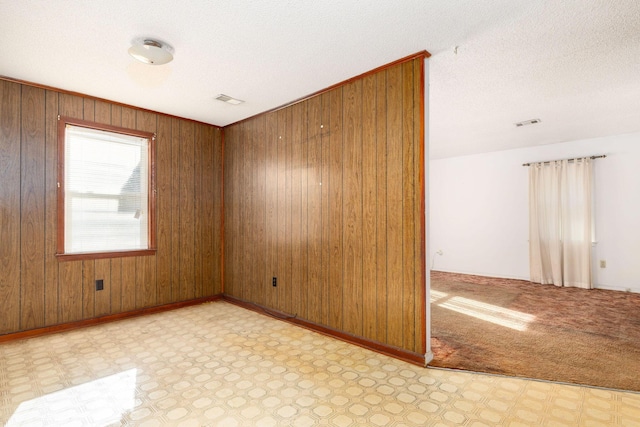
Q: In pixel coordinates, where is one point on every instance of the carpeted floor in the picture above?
(518, 328)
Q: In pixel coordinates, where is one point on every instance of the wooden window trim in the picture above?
(60, 246)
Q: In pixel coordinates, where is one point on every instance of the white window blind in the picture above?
(106, 202)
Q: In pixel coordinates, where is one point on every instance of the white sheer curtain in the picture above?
(560, 223)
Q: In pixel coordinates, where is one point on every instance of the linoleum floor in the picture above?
(217, 364)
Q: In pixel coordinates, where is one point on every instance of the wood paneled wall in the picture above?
(327, 196)
(37, 290)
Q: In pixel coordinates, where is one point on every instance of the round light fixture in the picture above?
(151, 52)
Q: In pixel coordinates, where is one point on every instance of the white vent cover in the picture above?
(528, 122)
(228, 99)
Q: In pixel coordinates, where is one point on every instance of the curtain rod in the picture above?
(602, 156)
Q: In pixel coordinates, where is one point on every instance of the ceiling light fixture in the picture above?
(151, 51)
(228, 99)
(528, 122)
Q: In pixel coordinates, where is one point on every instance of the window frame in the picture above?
(61, 255)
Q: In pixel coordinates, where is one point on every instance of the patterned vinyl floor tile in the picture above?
(218, 364)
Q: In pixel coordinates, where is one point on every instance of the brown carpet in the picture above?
(571, 335)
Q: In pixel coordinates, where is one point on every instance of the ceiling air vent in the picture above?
(528, 122)
(228, 99)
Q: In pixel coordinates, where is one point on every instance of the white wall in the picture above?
(479, 210)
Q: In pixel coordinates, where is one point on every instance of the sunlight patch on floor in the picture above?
(437, 295)
(108, 399)
(488, 312)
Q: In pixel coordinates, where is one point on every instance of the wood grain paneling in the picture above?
(50, 201)
(258, 277)
(314, 207)
(103, 298)
(284, 128)
(325, 193)
(352, 207)
(231, 210)
(394, 207)
(336, 271)
(303, 175)
(217, 202)
(38, 290)
(88, 289)
(187, 211)
(176, 209)
(116, 285)
(283, 232)
(245, 247)
(369, 199)
(298, 241)
(216, 222)
(32, 231)
(345, 178)
(198, 211)
(206, 207)
(164, 202)
(381, 207)
(271, 200)
(408, 213)
(10, 206)
(420, 289)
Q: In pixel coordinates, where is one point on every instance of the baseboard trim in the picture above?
(104, 319)
(489, 275)
(428, 358)
(388, 350)
(616, 288)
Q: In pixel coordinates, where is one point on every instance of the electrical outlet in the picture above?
(603, 263)
(274, 282)
(99, 284)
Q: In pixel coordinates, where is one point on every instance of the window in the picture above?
(106, 191)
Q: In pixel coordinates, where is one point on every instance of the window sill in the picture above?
(103, 255)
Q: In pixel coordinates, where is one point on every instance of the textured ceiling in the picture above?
(574, 64)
